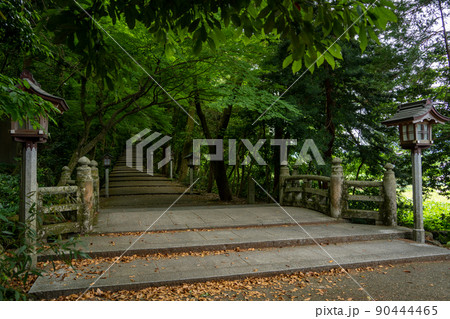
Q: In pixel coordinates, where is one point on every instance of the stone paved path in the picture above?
(154, 271)
(200, 217)
(108, 245)
(226, 247)
(129, 187)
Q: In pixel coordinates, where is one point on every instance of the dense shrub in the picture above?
(436, 215)
(9, 194)
(15, 261)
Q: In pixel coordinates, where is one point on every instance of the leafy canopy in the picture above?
(311, 26)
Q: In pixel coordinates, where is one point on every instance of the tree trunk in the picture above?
(218, 167)
(83, 149)
(187, 147)
(210, 180)
(445, 36)
(241, 181)
(329, 106)
(276, 161)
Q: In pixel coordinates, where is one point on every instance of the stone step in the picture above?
(117, 220)
(152, 201)
(141, 272)
(137, 178)
(127, 168)
(232, 238)
(149, 183)
(133, 171)
(124, 164)
(131, 174)
(122, 191)
(136, 173)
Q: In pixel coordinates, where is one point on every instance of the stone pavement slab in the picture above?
(219, 239)
(126, 181)
(161, 201)
(142, 183)
(177, 218)
(131, 174)
(152, 271)
(145, 190)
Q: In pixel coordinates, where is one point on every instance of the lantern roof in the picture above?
(416, 112)
(35, 88)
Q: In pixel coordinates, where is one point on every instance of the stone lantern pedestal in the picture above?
(30, 136)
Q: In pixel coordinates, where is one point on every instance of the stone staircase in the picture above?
(191, 244)
(124, 180)
(130, 187)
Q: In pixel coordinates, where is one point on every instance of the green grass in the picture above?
(436, 213)
(431, 196)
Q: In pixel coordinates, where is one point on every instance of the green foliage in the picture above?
(20, 105)
(405, 215)
(18, 39)
(311, 27)
(436, 214)
(233, 54)
(15, 260)
(9, 194)
(15, 256)
(16, 29)
(436, 160)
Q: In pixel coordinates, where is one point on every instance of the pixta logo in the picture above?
(144, 141)
(304, 157)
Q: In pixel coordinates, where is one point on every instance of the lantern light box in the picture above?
(415, 121)
(22, 132)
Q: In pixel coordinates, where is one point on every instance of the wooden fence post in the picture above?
(390, 196)
(336, 186)
(96, 179)
(86, 187)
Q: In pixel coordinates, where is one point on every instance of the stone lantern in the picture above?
(30, 136)
(25, 132)
(106, 160)
(415, 122)
(190, 159)
(106, 165)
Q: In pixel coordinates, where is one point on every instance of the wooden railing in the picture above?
(337, 197)
(70, 209)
